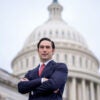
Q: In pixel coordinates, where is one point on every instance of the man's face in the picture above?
(45, 50)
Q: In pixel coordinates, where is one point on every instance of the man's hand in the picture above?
(44, 79)
(56, 91)
(24, 79)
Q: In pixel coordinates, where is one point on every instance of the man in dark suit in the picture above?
(47, 80)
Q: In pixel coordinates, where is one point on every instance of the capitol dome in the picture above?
(56, 28)
(71, 48)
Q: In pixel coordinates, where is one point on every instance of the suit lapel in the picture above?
(47, 67)
(36, 71)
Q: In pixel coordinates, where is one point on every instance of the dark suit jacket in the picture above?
(57, 75)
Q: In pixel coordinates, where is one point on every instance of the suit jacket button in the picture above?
(32, 93)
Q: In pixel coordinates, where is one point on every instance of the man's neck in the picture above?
(46, 62)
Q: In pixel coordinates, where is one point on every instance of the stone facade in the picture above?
(8, 87)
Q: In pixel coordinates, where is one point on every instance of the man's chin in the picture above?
(44, 59)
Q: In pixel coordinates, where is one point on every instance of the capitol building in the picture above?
(71, 48)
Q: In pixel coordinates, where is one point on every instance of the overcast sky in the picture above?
(18, 18)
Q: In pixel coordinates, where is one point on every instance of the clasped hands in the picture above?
(43, 80)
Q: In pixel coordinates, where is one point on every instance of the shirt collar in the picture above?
(45, 62)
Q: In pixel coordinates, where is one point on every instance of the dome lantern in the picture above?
(55, 10)
(55, 1)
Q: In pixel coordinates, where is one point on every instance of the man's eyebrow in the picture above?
(45, 45)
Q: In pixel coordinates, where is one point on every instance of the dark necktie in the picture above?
(41, 69)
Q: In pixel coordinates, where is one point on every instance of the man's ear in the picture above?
(53, 50)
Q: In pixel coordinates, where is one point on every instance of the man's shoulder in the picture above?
(61, 65)
(58, 63)
(31, 72)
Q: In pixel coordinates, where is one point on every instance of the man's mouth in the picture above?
(44, 54)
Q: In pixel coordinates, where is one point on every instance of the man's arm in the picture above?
(57, 80)
(25, 85)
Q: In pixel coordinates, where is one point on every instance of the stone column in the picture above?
(83, 89)
(98, 91)
(74, 89)
(65, 92)
(92, 91)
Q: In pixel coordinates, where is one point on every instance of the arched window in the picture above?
(68, 35)
(56, 33)
(16, 66)
(44, 34)
(50, 33)
(80, 61)
(65, 57)
(73, 60)
(33, 61)
(38, 35)
(57, 57)
(86, 63)
(74, 36)
(21, 64)
(62, 33)
(27, 62)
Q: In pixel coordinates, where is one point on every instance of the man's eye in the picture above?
(44, 47)
(47, 47)
(41, 46)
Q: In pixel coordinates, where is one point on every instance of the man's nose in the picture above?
(44, 48)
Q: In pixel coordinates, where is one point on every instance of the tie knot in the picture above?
(43, 65)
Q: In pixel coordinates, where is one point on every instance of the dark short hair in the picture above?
(47, 39)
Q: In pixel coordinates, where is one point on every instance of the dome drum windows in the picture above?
(80, 61)
(27, 62)
(33, 61)
(73, 60)
(57, 57)
(56, 33)
(44, 34)
(50, 33)
(63, 35)
(65, 57)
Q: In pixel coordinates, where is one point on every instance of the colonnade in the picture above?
(81, 89)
